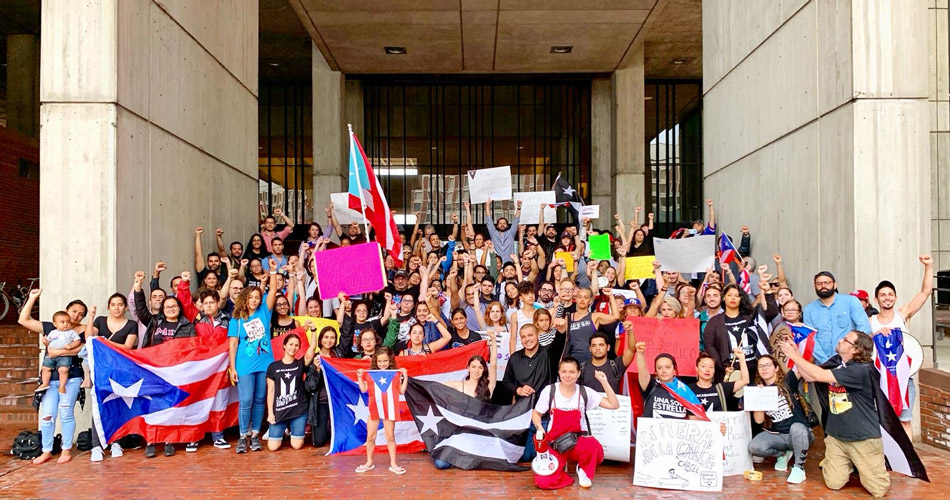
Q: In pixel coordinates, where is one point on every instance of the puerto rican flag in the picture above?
(893, 363)
(686, 397)
(804, 338)
(727, 251)
(367, 197)
(350, 408)
(383, 393)
(174, 392)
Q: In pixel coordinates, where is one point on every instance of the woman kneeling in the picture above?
(568, 404)
(286, 399)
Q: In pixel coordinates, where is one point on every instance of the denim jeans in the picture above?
(252, 389)
(63, 404)
(298, 426)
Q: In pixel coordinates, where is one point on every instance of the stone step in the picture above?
(19, 362)
(19, 386)
(19, 414)
(18, 400)
(17, 335)
(30, 349)
(18, 373)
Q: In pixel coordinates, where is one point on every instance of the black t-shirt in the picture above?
(613, 369)
(412, 290)
(658, 403)
(736, 328)
(852, 412)
(119, 337)
(290, 401)
(276, 330)
(783, 418)
(75, 369)
(222, 273)
(458, 341)
(709, 397)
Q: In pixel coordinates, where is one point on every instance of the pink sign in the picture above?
(352, 270)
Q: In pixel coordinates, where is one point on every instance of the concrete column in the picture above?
(601, 150)
(149, 129)
(23, 84)
(628, 185)
(330, 136)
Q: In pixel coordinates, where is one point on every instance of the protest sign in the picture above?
(612, 429)
(678, 337)
(342, 211)
(735, 442)
(351, 270)
(318, 325)
(599, 246)
(489, 184)
(639, 268)
(760, 398)
(686, 255)
(531, 206)
(568, 260)
(678, 454)
(590, 211)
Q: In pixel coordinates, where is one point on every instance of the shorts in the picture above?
(57, 362)
(298, 426)
(907, 414)
(82, 352)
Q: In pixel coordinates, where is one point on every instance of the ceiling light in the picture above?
(394, 50)
(680, 61)
(274, 64)
(648, 98)
(397, 171)
(561, 49)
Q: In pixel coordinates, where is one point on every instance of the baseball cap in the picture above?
(860, 294)
(402, 273)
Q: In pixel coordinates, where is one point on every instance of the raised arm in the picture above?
(333, 221)
(743, 370)
(807, 370)
(414, 237)
(781, 270)
(183, 293)
(446, 337)
(199, 260)
(712, 215)
(643, 373)
(471, 226)
(926, 288)
(455, 227)
(272, 290)
(25, 320)
(219, 242)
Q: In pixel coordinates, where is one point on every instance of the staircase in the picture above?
(19, 374)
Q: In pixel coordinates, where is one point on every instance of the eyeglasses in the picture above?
(848, 341)
(547, 289)
(774, 285)
(796, 310)
(828, 282)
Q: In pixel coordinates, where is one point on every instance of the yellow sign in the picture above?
(319, 325)
(568, 260)
(638, 268)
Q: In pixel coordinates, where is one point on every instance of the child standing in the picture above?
(382, 359)
(60, 338)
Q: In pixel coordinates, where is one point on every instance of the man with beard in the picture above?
(502, 232)
(889, 318)
(833, 315)
(546, 294)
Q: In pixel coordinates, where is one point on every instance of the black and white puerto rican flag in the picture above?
(467, 432)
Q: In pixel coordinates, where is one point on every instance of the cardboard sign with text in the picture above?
(678, 337)
(639, 268)
(736, 442)
(489, 184)
(352, 270)
(612, 429)
(678, 454)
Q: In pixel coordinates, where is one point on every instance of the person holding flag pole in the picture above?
(366, 195)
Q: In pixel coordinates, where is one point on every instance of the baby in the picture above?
(60, 338)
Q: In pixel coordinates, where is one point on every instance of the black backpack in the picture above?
(84, 440)
(28, 445)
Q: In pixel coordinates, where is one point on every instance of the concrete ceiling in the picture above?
(504, 36)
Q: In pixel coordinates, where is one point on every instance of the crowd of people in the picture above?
(560, 334)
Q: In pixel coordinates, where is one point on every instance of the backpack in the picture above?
(28, 445)
(613, 369)
(84, 440)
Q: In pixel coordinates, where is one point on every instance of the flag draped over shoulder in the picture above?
(898, 449)
(174, 392)
(686, 397)
(366, 196)
(467, 432)
(349, 408)
(893, 365)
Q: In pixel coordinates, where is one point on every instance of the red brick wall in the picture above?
(935, 408)
(19, 211)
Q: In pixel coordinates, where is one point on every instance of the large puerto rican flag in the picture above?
(174, 392)
(366, 196)
(893, 363)
(349, 408)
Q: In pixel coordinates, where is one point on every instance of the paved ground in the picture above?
(212, 473)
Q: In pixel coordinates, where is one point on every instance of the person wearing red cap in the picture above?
(865, 300)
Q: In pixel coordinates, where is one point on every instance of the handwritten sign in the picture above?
(760, 398)
(489, 184)
(352, 270)
(678, 337)
(590, 211)
(686, 255)
(531, 206)
(599, 246)
(678, 455)
(342, 211)
(612, 429)
(639, 268)
(735, 442)
(568, 260)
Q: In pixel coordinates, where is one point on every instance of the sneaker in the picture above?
(221, 444)
(757, 459)
(116, 450)
(191, 447)
(582, 480)
(264, 436)
(256, 443)
(169, 450)
(781, 463)
(797, 476)
(242, 445)
(96, 455)
(150, 451)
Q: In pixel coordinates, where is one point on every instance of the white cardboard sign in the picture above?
(345, 215)
(736, 442)
(686, 255)
(678, 454)
(489, 184)
(760, 398)
(612, 429)
(531, 207)
(590, 212)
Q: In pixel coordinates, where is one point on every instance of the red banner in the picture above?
(677, 337)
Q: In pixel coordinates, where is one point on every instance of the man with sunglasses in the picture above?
(833, 315)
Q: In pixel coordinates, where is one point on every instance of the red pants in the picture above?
(588, 453)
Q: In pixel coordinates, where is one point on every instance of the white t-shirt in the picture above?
(568, 404)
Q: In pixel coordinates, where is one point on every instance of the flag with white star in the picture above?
(173, 392)
(467, 432)
(893, 363)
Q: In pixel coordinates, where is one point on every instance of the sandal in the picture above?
(397, 470)
(365, 468)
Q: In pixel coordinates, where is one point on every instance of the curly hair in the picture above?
(783, 389)
(863, 347)
(745, 304)
(241, 309)
(373, 365)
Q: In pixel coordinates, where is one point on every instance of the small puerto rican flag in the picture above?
(893, 363)
(804, 338)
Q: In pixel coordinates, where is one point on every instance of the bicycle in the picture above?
(18, 297)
